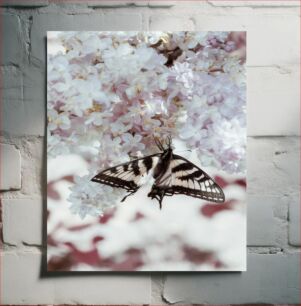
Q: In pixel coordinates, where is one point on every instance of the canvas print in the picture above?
(146, 151)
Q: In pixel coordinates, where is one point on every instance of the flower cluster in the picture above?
(110, 93)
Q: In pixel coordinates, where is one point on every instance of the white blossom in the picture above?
(57, 120)
(109, 93)
(89, 198)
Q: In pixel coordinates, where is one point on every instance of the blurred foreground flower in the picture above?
(183, 236)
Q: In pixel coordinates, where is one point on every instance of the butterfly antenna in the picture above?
(156, 142)
(169, 141)
(162, 147)
(159, 144)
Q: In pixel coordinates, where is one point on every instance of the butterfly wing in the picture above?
(183, 177)
(190, 180)
(127, 175)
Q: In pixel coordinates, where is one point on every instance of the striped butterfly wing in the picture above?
(188, 179)
(128, 175)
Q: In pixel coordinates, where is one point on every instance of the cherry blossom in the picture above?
(58, 120)
(110, 93)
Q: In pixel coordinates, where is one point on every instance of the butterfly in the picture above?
(173, 174)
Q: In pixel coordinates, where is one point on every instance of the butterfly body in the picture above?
(172, 173)
(163, 164)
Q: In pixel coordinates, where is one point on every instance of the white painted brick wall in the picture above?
(258, 4)
(294, 220)
(273, 164)
(10, 171)
(23, 221)
(13, 46)
(270, 101)
(22, 93)
(159, 22)
(22, 284)
(102, 20)
(127, 3)
(31, 119)
(261, 227)
(270, 279)
(273, 150)
(116, 4)
(24, 3)
(11, 86)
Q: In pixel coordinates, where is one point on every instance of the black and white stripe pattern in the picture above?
(183, 177)
(188, 179)
(127, 175)
(173, 174)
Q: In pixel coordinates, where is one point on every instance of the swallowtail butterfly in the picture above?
(173, 174)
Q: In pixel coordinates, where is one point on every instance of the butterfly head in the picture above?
(164, 146)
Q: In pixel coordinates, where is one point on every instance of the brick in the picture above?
(32, 151)
(66, 7)
(161, 3)
(113, 3)
(157, 288)
(170, 23)
(269, 279)
(10, 170)
(89, 22)
(122, 22)
(27, 214)
(267, 221)
(12, 103)
(276, 91)
(270, 32)
(261, 220)
(23, 95)
(34, 101)
(21, 284)
(294, 220)
(13, 44)
(247, 3)
(11, 84)
(273, 165)
(24, 3)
